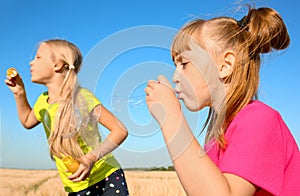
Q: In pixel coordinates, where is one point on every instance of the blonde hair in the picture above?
(260, 31)
(71, 57)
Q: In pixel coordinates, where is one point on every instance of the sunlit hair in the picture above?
(263, 32)
(67, 53)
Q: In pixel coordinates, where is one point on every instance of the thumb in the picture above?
(163, 80)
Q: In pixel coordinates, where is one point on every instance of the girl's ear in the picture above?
(227, 63)
(58, 66)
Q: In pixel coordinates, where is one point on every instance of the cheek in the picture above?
(199, 86)
(196, 91)
(199, 97)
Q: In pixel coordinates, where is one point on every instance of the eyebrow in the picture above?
(178, 58)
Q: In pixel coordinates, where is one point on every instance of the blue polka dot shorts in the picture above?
(113, 185)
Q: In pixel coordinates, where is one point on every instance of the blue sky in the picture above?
(124, 44)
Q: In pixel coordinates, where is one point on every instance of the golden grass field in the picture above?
(47, 183)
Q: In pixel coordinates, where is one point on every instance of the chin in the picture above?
(35, 81)
(193, 107)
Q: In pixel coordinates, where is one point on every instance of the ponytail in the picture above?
(260, 31)
(63, 139)
(267, 31)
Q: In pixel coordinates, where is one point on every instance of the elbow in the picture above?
(27, 127)
(125, 133)
(119, 134)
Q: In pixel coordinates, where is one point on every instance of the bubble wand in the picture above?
(11, 72)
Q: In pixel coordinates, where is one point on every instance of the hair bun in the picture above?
(267, 30)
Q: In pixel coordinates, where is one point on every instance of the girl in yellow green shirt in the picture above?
(70, 116)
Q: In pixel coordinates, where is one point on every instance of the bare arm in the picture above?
(201, 176)
(25, 112)
(196, 171)
(117, 135)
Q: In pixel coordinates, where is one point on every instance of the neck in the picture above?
(219, 94)
(53, 93)
(54, 90)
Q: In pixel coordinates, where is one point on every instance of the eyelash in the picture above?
(183, 64)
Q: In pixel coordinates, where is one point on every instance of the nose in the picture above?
(175, 78)
(31, 63)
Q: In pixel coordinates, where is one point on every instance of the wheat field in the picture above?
(15, 182)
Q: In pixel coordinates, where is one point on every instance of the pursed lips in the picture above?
(178, 92)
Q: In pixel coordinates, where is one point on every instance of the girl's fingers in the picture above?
(81, 174)
(77, 173)
(8, 77)
(163, 80)
(9, 82)
(78, 179)
(13, 81)
(151, 84)
(147, 90)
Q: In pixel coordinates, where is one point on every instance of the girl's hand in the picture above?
(161, 99)
(86, 164)
(15, 84)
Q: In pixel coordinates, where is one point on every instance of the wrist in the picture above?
(172, 116)
(89, 159)
(173, 121)
(19, 94)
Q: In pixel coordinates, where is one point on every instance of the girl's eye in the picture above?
(183, 64)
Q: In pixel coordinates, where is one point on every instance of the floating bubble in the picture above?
(82, 122)
(121, 103)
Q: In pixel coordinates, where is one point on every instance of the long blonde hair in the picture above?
(260, 31)
(71, 57)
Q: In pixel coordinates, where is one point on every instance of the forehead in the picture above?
(193, 51)
(44, 49)
(188, 34)
(180, 44)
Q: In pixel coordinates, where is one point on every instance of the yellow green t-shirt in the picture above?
(104, 167)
